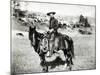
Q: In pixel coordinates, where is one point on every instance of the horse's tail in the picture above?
(70, 45)
(72, 48)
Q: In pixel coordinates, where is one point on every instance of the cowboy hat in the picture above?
(51, 13)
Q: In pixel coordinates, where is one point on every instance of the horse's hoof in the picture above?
(70, 69)
(45, 70)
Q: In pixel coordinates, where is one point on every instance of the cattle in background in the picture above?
(20, 34)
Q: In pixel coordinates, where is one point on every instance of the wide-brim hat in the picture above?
(51, 13)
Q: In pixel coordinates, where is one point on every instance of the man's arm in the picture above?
(56, 24)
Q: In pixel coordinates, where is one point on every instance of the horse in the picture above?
(43, 45)
(61, 42)
(35, 38)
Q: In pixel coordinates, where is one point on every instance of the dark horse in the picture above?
(58, 41)
(64, 43)
(35, 38)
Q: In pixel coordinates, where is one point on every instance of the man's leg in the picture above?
(56, 44)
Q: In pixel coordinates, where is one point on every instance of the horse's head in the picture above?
(44, 45)
(40, 42)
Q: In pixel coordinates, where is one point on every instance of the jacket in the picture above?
(53, 23)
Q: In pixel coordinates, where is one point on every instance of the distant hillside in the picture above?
(69, 19)
(74, 19)
(16, 25)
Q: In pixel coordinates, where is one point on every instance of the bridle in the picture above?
(44, 44)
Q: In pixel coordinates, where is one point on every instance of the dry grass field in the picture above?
(26, 60)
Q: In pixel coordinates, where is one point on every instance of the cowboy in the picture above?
(53, 27)
(53, 22)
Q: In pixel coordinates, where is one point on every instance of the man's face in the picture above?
(51, 15)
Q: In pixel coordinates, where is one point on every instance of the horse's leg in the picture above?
(71, 61)
(69, 53)
(69, 64)
(70, 67)
(68, 59)
(65, 54)
(43, 62)
(71, 47)
(46, 68)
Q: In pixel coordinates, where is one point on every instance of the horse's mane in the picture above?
(38, 35)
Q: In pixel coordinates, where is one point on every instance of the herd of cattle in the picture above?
(43, 20)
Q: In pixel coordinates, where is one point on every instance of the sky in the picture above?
(60, 9)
